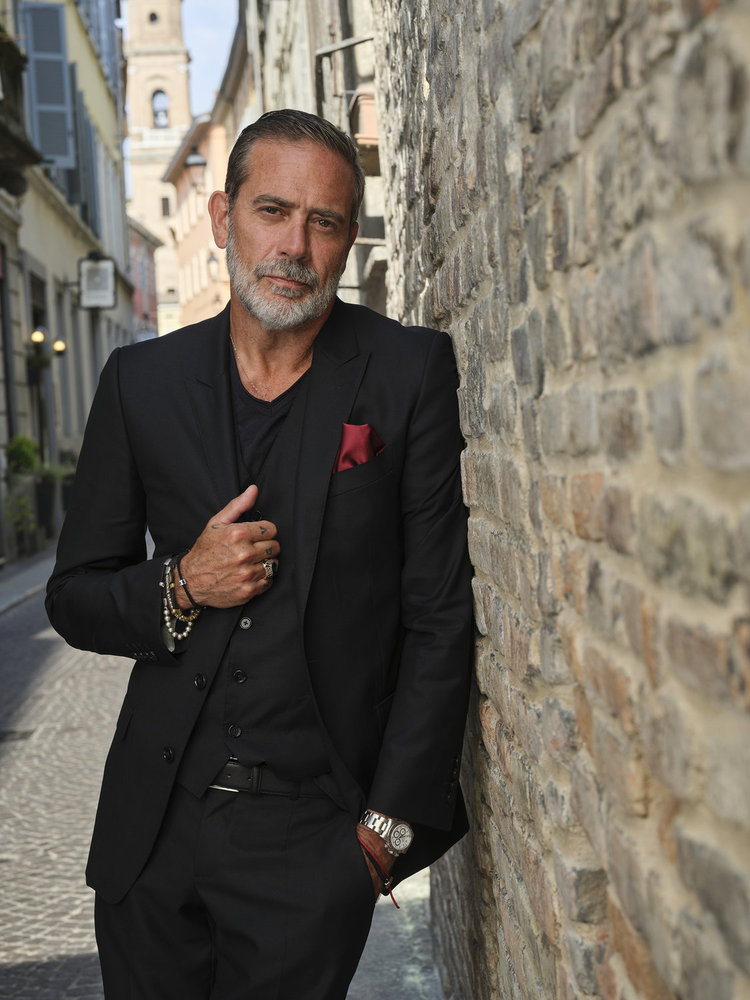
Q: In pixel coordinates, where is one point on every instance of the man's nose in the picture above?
(294, 240)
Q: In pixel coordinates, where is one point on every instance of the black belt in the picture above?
(260, 780)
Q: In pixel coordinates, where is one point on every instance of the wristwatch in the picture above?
(397, 835)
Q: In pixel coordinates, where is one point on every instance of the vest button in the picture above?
(246, 622)
(256, 515)
(239, 676)
(200, 681)
(234, 730)
(168, 754)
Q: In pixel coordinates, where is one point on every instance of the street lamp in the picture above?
(195, 165)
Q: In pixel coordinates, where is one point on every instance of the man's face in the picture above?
(288, 234)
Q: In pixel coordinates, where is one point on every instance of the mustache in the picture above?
(290, 269)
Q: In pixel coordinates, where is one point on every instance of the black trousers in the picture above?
(245, 897)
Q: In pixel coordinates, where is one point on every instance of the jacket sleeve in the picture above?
(417, 772)
(104, 592)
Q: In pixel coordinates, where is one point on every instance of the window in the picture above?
(160, 108)
(153, 18)
(49, 84)
(165, 210)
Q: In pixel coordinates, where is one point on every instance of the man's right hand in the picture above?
(224, 568)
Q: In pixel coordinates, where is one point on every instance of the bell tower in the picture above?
(158, 116)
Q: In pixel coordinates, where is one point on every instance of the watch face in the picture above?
(401, 837)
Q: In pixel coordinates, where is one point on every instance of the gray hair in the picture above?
(292, 126)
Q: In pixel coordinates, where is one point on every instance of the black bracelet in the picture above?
(385, 877)
(183, 583)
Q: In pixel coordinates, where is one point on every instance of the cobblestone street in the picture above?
(57, 715)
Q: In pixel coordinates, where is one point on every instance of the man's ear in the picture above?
(352, 236)
(218, 209)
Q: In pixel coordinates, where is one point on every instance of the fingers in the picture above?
(237, 507)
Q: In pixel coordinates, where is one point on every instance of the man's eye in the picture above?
(325, 223)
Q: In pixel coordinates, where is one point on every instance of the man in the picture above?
(289, 744)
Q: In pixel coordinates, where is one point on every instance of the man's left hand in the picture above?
(376, 846)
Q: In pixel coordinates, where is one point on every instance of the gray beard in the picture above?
(285, 308)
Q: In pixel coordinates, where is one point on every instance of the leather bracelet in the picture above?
(385, 877)
(183, 583)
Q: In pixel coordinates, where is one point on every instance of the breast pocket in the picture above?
(360, 476)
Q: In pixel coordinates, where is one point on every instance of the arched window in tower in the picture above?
(153, 17)
(160, 108)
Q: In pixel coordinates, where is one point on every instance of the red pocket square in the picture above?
(359, 443)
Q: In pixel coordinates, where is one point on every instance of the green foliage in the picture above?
(20, 514)
(23, 456)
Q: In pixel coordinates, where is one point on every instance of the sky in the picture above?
(207, 27)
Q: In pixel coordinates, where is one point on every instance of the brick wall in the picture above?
(569, 195)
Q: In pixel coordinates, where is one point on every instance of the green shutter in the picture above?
(49, 84)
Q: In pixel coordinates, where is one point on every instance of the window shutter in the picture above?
(49, 83)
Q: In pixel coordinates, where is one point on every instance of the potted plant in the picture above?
(22, 459)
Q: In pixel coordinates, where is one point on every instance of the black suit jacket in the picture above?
(382, 574)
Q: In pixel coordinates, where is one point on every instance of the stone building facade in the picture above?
(568, 193)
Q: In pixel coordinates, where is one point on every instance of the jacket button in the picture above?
(200, 681)
(256, 515)
(168, 754)
(246, 622)
(239, 676)
(234, 730)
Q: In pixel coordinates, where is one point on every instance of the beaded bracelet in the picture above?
(174, 616)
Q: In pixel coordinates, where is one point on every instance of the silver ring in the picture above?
(270, 567)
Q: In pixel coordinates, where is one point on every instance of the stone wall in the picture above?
(569, 194)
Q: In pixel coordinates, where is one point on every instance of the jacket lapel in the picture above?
(210, 395)
(335, 376)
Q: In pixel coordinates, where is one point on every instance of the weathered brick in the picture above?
(617, 518)
(536, 243)
(586, 163)
(700, 658)
(722, 410)
(553, 424)
(667, 424)
(582, 884)
(554, 501)
(728, 787)
(672, 741)
(552, 663)
(703, 92)
(613, 687)
(595, 92)
(555, 145)
(619, 764)
(686, 545)
(588, 948)
(586, 797)
(704, 972)
(559, 730)
(586, 504)
(641, 621)
(556, 347)
(541, 889)
(716, 869)
(557, 54)
(527, 350)
(621, 424)
(583, 420)
(636, 957)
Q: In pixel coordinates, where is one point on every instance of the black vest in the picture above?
(260, 707)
